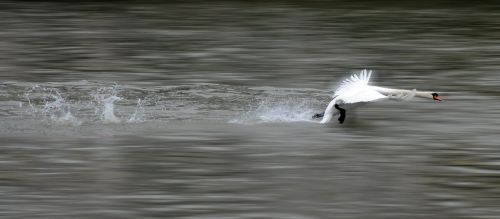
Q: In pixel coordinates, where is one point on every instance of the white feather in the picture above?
(353, 82)
(361, 94)
(355, 89)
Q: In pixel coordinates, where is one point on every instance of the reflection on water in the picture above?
(203, 110)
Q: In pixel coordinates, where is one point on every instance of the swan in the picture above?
(355, 89)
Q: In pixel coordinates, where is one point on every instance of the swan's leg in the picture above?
(342, 113)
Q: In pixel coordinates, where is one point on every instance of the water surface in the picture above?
(203, 110)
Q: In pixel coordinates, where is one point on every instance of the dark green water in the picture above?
(212, 117)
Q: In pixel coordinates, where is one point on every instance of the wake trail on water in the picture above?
(94, 103)
(57, 105)
(280, 110)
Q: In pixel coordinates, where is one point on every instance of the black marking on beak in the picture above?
(435, 96)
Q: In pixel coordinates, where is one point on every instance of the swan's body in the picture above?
(356, 90)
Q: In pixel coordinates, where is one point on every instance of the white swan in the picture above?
(356, 90)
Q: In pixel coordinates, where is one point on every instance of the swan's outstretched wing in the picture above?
(355, 81)
(355, 89)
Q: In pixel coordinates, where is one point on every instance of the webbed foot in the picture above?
(318, 115)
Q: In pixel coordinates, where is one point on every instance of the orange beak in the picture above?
(436, 98)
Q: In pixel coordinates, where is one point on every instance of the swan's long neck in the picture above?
(393, 92)
(424, 94)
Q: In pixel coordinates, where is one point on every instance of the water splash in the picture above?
(108, 113)
(66, 119)
(27, 96)
(138, 114)
(273, 110)
(106, 97)
(54, 106)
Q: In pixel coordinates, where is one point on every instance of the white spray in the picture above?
(55, 107)
(279, 110)
(138, 113)
(108, 112)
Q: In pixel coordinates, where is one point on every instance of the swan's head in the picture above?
(435, 96)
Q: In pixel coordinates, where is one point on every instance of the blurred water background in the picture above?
(202, 109)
